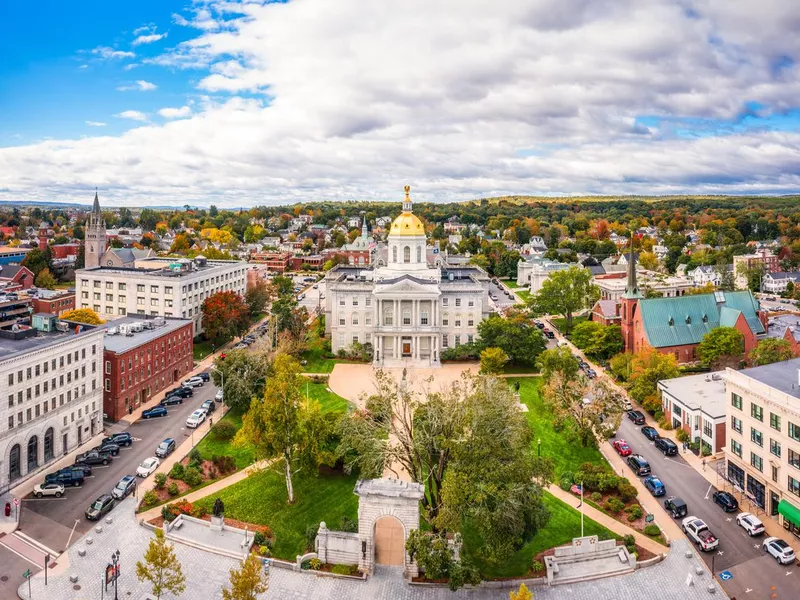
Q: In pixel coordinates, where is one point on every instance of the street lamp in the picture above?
(540, 446)
(115, 562)
(222, 375)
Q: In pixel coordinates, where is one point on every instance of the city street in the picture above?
(503, 301)
(50, 520)
(312, 296)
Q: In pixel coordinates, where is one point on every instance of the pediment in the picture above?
(407, 286)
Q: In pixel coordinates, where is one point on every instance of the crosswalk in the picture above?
(28, 548)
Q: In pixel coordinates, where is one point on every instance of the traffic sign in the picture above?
(649, 518)
(16, 501)
(26, 574)
(726, 575)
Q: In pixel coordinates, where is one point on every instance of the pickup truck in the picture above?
(699, 533)
(94, 458)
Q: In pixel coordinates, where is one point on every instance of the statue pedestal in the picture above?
(217, 523)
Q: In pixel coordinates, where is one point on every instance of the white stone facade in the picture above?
(155, 286)
(52, 400)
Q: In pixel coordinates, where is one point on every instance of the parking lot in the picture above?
(503, 301)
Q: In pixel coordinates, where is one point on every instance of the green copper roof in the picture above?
(686, 319)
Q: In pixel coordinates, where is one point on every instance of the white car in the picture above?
(780, 550)
(148, 466)
(48, 489)
(219, 395)
(196, 418)
(193, 382)
(750, 523)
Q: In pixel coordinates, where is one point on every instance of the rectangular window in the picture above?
(756, 437)
(471, 323)
(109, 285)
(153, 289)
(355, 300)
(458, 340)
(756, 461)
(10, 379)
(736, 401)
(469, 338)
(707, 428)
(756, 412)
(109, 297)
(11, 422)
(458, 322)
(775, 421)
(445, 301)
(341, 321)
(368, 301)
(140, 288)
(794, 486)
(341, 301)
(108, 385)
(458, 302)
(445, 320)
(471, 303)
(121, 287)
(444, 341)
(775, 448)
(794, 431)
(168, 289)
(794, 458)
(774, 473)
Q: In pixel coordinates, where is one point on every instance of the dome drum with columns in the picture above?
(410, 305)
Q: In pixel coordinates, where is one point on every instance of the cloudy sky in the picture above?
(244, 103)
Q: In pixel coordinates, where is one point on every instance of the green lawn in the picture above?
(524, 295)
(511, 369)
(564, 524)
(561, 323)
(64, 285)
(209, 446)
(316, 362)
(568, 455)
(511, 284)
(201, 349)
(330, 401)
(261, 499)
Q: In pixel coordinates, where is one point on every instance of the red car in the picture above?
(622, 448)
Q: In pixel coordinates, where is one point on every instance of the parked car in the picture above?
(100, 507)
(750, 523)
(651, 433)
(240, 347)
(48, 489)
(165, 448)
(93, 458)
(539, 325)
(219, 396)
(193, 382)
(699, 533)
(654, 485)
(147, 466)
(107, 448)
(622, 447)
(315, 286)
(171, 400)
(676, 507)
(183, 392)
(205, 376)
(156, 411)
(636, 416)
(85, 470)
(780, 550)
(121, 439)
(667, 446)
(549, 334)
(196, 418)
(639, 465)
(209, 406)
(726, 501)
(66, 477)
(124, 487)
(626, 404)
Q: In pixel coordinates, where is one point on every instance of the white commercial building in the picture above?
(52, 397)
(696, 404)
(164, 287)
(776, 283)
(533, 270)
(409, 305)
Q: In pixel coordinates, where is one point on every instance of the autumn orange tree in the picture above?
(225, 315)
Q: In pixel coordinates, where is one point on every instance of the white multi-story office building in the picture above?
(164, 287)
(409, 304)
(52, 396)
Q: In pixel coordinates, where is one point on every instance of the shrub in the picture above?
(630, 543)
(172, 490)
(311, 535)
(160, 480)
(192, 476)
(348, 524)
(176, 472)
(634, 512)
(225, 464)
(264, 551)
(565, 484)
(652, 530)
(223, 431)
(194, 457)
(198, 512)
(259, 539)
(537, 566)
(682, 435)
(614, 505)
(315, 564)
(666, 425)
(342, 569)
(167, 513)
(149, 498)
(658, 415)
(596, 496)
(626, 490)
(607, 482)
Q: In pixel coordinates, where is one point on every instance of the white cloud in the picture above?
(96, 124)
(149, 39)
(84, 67)
(353, 99)
(140, 86)
(108, 53)
(134, 115)
(175, 113)
(149, 28)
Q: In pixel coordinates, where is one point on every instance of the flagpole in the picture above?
(581, 509)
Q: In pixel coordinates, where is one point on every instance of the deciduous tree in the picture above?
(771, 350)
(45, 279)
(565, 293)
(247, 582)
(558, 360)
(161, 567)
(724, 344)
(244, 375)
(647, 368)
(598, 340)
(225, 315)
(515, 335)
(523, 593)
(82, 315)
(493, 360)
(257, 297)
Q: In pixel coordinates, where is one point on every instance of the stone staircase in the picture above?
(587, 559)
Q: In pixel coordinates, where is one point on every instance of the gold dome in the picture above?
(407, 223)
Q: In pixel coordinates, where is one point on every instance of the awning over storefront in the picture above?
(790, 512)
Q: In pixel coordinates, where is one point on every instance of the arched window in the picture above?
(394, 254)
(406, 316)
(419, 254)
(355, 319)
(423, 317)
(407, 254)
(388, 315)
(48, 445)
(33, 453)
(14, 463)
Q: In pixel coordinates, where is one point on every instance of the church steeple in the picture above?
(364, 230)
(632, 288)
(96, 206)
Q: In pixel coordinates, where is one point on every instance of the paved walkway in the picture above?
(207, 573)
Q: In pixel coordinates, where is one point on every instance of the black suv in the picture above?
(120, 439)
(726, 501)
(639, 465)
(667, 446)
(205, 376)
(676, 507)
(183, 392)
(209, 406)
(636, 416)
(65, 477)
(107, 448)
(165, 448)
(170, 400)
(93, 458)
(100, 507)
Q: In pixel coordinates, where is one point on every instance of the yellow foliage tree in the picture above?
(218, 236)
(523, 593)
(82, 315)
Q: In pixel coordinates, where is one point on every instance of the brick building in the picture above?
(275, 261)
(142, 356)
(769, 262)
(17, 274)
(256, 273)
(677, 325)
(313, 262)
(55, 302)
